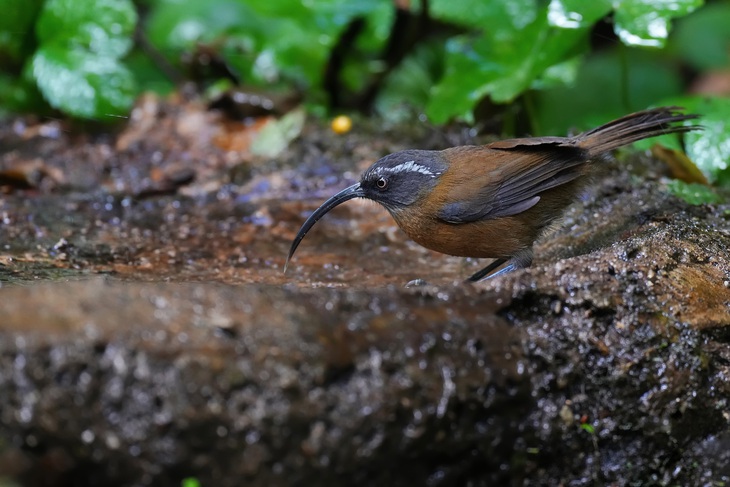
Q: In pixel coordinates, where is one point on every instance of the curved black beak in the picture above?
(354, 191)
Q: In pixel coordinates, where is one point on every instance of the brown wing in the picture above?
(519, 170)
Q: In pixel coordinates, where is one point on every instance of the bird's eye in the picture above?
(381, 183)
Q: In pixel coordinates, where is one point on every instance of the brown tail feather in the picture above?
(633, 127)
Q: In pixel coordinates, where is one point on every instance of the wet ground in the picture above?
(148, 333)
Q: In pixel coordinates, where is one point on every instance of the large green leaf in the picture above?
(103, 27)
(77, 67)
(501, 66)
(647, 22)
(82, 83)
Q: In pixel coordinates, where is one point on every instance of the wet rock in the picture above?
(302, 387)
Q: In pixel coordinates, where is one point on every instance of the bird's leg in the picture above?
(478, 276)
(520, 261)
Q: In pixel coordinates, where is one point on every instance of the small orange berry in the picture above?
(341, 124)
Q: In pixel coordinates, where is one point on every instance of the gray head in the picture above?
(398, 180)
(395, 181)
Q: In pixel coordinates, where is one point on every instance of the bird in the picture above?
(494, 200)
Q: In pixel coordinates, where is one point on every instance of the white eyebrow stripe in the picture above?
(410, 166)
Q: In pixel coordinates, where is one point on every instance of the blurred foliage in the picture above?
(567, 64)
(702, 40)
(73, 57)
(710, 148)
(190, 482)
(597, 93)
(275, 137)
(693, 193)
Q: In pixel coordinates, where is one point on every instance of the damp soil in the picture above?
(148, 333)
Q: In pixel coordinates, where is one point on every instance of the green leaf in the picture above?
(262, 40)
(18, 94)
(576, 14)
(324, 16)
(231, 27)
(104, 27)
(501, 65)
(82, 83)
(364, 62)
(147, 74)
(297, 52)
(494, 15)
(16, 29)
(693, 193)
(647, 22)
(178, 26)
(408, 86)
(276, 135)
(597, 95)
(558, 75)
(709, 148)
(76, 67)
(702, 39)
